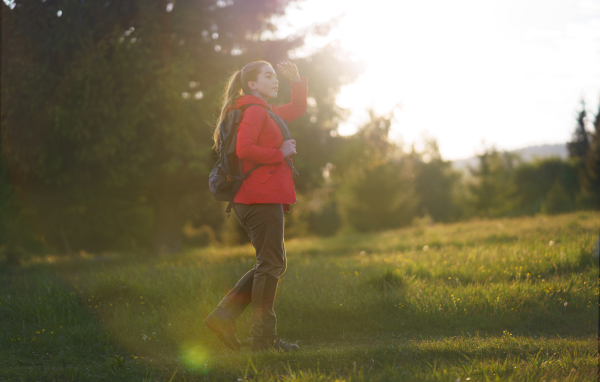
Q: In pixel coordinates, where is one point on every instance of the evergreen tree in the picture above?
(578, 147)
(107, 112)
(549, 185)
(591, 184)
(490, 187)
(375, 180)
(434, 183)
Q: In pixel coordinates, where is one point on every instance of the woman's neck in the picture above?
(258, 95)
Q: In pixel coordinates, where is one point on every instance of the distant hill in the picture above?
(527, 153)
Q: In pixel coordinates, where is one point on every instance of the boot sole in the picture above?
(225, 342)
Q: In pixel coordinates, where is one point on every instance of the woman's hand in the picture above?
(289, 70)
(288, 148)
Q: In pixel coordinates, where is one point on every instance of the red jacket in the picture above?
(258, 142)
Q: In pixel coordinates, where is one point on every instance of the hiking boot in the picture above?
(224, 327)
(275, 343)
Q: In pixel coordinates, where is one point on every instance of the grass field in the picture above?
(506, 299)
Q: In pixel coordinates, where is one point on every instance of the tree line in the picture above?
(108, 110)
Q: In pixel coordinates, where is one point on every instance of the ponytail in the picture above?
(232, 91)
(237, 86)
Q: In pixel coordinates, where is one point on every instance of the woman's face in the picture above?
(266, 85)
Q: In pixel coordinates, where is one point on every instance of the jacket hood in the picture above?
(248, 99)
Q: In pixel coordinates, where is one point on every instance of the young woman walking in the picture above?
(262, 198)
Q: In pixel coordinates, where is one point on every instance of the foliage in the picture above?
(377, 189)
(590, 178)
(107, 117)
(435, 181)
(107, 113)
(490, 184)
(580, 145)
(549, 185)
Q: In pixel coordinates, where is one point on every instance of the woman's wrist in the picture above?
(295, 79)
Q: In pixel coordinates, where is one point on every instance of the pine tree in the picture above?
(592, 166)
(579, 146)
(105, 110)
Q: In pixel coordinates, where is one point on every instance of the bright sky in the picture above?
(509, 73)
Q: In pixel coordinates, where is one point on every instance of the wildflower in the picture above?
(565, 304)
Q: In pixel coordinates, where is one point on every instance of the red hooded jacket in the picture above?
(258, 142)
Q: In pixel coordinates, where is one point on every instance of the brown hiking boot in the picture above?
(275, 343)
(224, 327)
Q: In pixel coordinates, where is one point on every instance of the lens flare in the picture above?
(194, 356)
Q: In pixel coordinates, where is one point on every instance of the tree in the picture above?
(107, 113)
(549, 185)
(579, 145)
(490, 186)
(591, 179)
(375, 180)
(434, 183)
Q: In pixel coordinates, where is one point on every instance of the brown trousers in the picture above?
(264, 225)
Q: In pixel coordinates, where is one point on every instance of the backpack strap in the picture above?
(285, 132)
(228, 209)
(286, 135)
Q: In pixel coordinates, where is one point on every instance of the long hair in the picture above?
(237, 86)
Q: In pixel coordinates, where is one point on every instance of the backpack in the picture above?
(226, 176)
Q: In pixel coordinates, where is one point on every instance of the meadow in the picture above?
(483, 300)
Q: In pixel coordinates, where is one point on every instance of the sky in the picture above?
(470, 73)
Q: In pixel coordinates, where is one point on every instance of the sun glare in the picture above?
(194, 356)
(467, 71)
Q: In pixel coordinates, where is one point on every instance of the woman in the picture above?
(262, 199)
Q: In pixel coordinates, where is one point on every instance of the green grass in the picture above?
(505, 299)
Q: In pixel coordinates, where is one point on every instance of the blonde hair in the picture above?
(237, 86)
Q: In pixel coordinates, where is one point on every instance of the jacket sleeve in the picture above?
(246, 148)
(297, 107)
